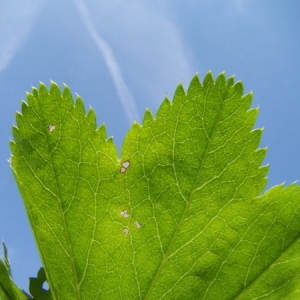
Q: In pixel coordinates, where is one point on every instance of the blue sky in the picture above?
(124, 56)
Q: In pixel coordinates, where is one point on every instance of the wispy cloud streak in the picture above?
(123, 91)
(8, 52)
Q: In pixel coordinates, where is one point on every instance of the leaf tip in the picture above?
(42, 83)
(195, 83)
(54, 88)
(195, 79)
(221, 78)
(67, 92)
(239, 88)
(208, 79)
(179, 94)
(222, 75)
(65, 85)
(24, 104)
(42, 87)
(79, 104)
(164, 107)
(53, 82)
(102, 131)
(28, 94)
(230, 80)
(148, 117)
(91, 115)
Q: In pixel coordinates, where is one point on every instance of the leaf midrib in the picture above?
(265, 270)
(71, 256)
(194, 189)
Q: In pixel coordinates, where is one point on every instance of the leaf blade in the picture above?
(46, 166)
(175, 217)
(8, 288)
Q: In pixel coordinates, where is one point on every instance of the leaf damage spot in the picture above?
(124, 166)
(124, 213)
(137, 224)
(126, 231)
(51, 127)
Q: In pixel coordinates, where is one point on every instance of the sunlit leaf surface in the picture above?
(180, 215)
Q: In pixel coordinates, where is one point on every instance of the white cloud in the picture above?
(123, 91)
(16, 20)
(147, 44)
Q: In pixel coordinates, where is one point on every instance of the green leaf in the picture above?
(180, 216)
(36, 286)
(8, 289)
(5, 258)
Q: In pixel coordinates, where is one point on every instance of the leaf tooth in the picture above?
(164, 108)
(35, 92)
(135, 127)
(251, 115)
(264, 170)
(135, 123)
(15, 132)
(13, 145)
(276, 189)
(133, 132)
(246, 101)
(112, 146)
(221, 79)
(19, 119)
(91, 118)
(239, 89)
(261, 172)
(259, 155)
(230, 80)
(248, 97)
(195, 88)
(254, 138)
(179, 95)
(80, 105)
(67, 95)
(195, 84)
(42, 91)
(294, 184)
(102, 131)
(54, 89)
(12, 157)
(24, 108)
(148, 117)
(30, 100)
(208, 79)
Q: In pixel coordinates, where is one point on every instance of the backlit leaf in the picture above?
(180, 215)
